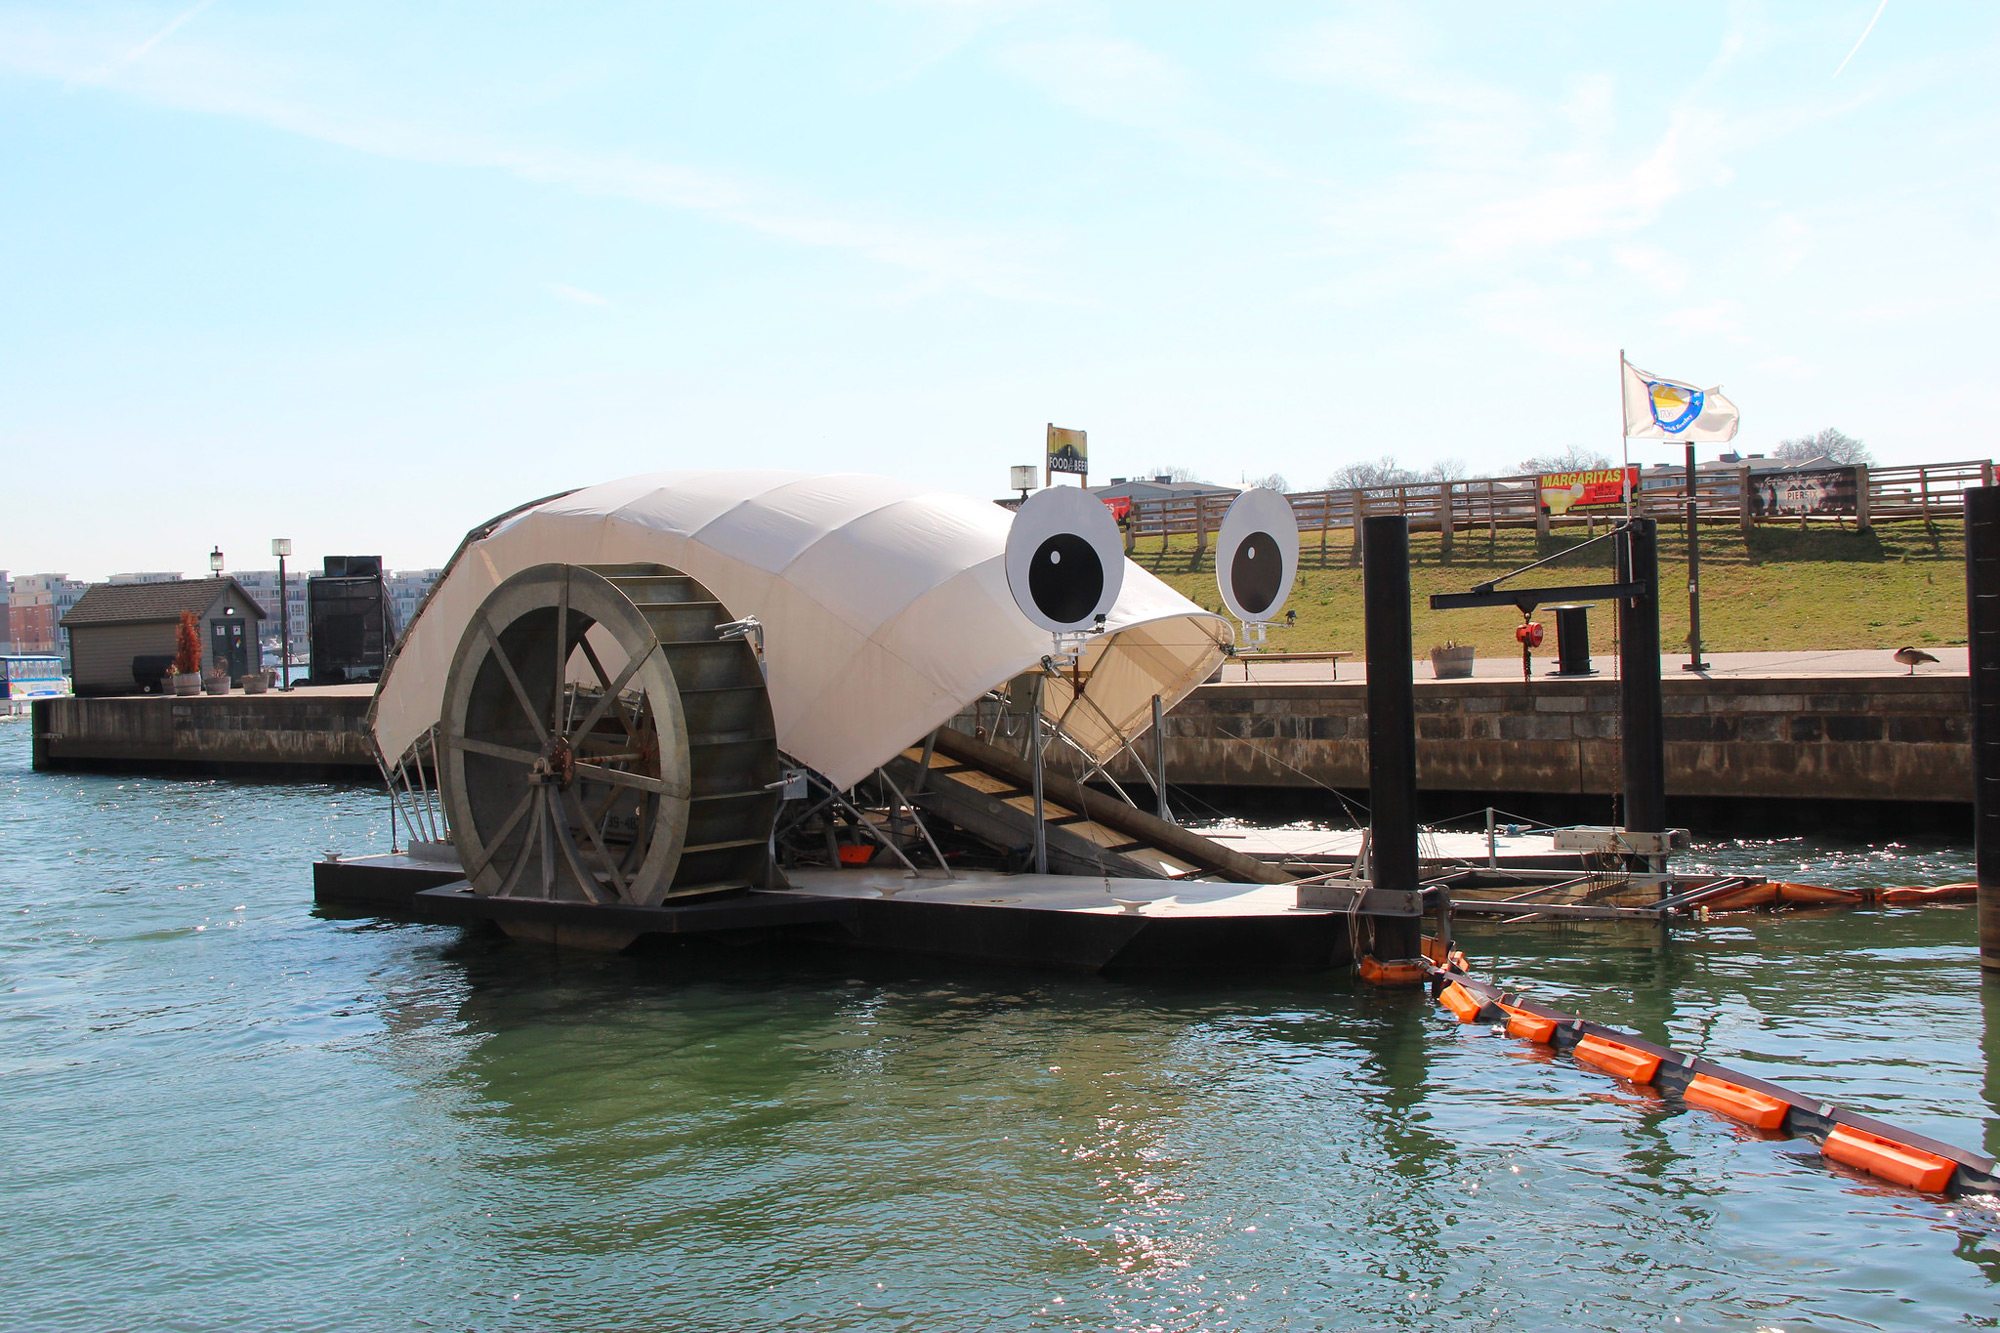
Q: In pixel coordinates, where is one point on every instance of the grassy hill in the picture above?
(1773, 589)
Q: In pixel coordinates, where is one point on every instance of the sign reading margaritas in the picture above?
(1592, 488)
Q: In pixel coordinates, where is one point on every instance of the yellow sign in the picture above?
(1067, 452)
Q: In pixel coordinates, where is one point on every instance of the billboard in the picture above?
(1067, 451)
(1825, 491)
(1593, 488)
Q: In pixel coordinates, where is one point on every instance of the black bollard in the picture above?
(1644, 745)
(1392, 724)
(1982, 623)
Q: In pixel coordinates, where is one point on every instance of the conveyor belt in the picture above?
(988, 792)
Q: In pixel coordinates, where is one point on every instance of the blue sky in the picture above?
(364, 274)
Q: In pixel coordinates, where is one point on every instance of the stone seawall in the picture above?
(1880, 738)
(1889, 738)
(302, 734)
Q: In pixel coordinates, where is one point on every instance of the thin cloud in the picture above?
(562, 291)
(262, 88)
(1123, 83)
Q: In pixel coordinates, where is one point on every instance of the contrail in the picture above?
(1864, 35)
(117, 63)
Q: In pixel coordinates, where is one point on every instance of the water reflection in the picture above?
(213, 1114)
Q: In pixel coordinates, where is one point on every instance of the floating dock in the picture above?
(1062, 921)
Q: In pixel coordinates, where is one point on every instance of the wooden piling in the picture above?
(1982, 616)
(1641, 728)
(1392, 724)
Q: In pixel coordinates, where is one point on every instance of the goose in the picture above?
(1913, 658)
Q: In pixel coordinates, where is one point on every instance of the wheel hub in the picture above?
(557, 766)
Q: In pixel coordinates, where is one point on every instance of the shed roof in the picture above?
(147, 603)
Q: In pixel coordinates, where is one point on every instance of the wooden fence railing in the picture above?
(1926, 491)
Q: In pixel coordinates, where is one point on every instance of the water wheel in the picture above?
(602, 743)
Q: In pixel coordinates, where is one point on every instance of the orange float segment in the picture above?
(1461, 1002)
(1614, 1057)
(1377, 973)
(1450, 959)
(1815, 895)
(1888, 1159)
(1748, 895)
(1755, 1109)
(1529, 1027)
(1943, 893)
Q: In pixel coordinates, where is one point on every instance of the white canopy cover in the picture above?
(885, 608)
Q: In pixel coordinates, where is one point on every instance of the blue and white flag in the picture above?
(1663, 409)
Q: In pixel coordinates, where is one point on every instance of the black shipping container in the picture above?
(350, 623)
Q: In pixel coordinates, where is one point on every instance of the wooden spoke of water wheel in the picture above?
(603, 745)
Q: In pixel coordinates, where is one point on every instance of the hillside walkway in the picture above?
(1849, 662)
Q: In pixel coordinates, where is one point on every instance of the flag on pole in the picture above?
(1663, 409)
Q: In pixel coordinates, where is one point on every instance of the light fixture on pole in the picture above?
(215, 561)
(282, 547)
(1021, 477)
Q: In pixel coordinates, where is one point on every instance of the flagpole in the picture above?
(1624, 441)
(1694, 662)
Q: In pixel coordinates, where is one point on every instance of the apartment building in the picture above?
(36, 605)
(262, 585)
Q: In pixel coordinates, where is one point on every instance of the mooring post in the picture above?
(1982, 623)
(1160, 756)
(1392, 724)
(1640, 726)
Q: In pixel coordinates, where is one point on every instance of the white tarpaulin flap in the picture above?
(885, 607)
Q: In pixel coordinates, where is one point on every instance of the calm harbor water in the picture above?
(219, 1110)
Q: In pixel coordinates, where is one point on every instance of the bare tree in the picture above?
(1172, 473)
(1370, 475)
(1276, 481)
(1576, 458)
(1445, 469)
(1829, 445)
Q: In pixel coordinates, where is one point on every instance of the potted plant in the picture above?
(187, 656)
(1451, 661)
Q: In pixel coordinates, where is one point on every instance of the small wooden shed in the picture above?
(113, 626)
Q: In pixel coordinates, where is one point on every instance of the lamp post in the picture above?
(215, 561)
(282, 547)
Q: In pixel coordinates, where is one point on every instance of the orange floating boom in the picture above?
(1885, 1151)
(1615, 1057)
(1886, 1158)
(1529, 1027)
(1461, 1002)
(1755, 1109)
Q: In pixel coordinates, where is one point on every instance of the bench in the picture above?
(1334, 658)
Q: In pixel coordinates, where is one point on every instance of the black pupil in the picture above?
(1255, 573)
(1066, 578)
